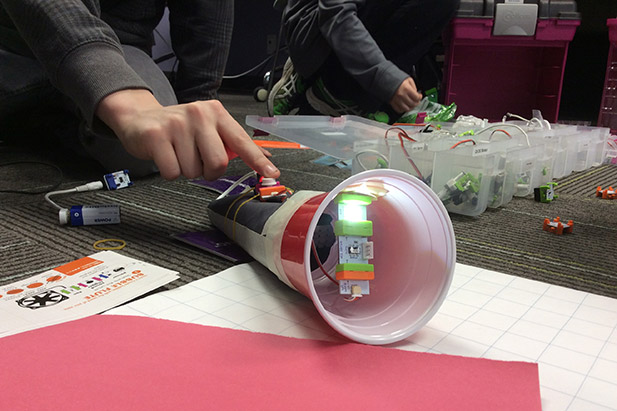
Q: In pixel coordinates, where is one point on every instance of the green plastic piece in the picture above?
(431, 112)
(353, 228)
(354, 267)
(432, 95)
(379, 116)
(349, 198)
(545, 193)
(468, 182)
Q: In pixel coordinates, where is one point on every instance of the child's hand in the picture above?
(406, 96)
(192, 140)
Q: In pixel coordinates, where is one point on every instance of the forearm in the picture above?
(187, 139)
(340, 25)
(117, 109)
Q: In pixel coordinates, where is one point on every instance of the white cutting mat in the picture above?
(572, 335)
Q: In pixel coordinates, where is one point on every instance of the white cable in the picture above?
(542, 123)
(377, 153)
(515, 116)
(506, 125)
(257, 67)
(236, 184)
(94, 185)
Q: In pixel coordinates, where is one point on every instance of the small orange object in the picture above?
(271, 191)
(355, 275)
(557, 227)
(278, 144)
(607, 193)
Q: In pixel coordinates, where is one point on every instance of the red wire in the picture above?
(403, 134)
(503, 131)
(462, 142)
(319, 263)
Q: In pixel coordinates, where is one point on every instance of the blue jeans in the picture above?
(26, 91)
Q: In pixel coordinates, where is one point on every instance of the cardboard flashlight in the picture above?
(414, 251)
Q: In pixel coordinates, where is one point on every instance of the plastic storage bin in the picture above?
(463, 181)
(469, 166)
(335, 136)
(608, 107)
(489, 75)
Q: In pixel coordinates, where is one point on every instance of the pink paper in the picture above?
(116, 362)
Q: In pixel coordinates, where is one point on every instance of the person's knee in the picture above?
(152, 74)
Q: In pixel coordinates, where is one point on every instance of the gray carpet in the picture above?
(509, 239)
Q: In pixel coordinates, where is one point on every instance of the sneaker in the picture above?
(286, 94)
(324, 102)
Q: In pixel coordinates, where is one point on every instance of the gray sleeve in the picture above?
(357, 50)
(80, 53)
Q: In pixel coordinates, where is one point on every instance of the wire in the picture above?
(323, 270)
(316, 255)
(233, 227)
(50, 201)
(403, 134)
(499, 130)
(537, 120)
(94, 185)
(240, 196)
(505, 117)
(369, 151)
(541, 123)
(519, 128)
(257, 67)
(463, 142)
(41, 191)
(236, 184)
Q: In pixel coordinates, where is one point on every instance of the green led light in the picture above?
(353, 199)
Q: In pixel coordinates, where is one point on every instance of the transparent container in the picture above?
(599, 145)
(506, 159)
(462, 179)
(334, 136)
(370, 155)
(524, 168)
(568, 149)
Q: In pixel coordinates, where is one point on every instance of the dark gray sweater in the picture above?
(78, 43)
(79, 51)
(317, 27)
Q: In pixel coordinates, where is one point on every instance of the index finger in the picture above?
(239, 142)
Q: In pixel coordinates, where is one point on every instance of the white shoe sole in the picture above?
(288, 71)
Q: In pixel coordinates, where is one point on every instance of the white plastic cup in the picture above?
(414, 256)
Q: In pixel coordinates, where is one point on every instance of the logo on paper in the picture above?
(41, 300)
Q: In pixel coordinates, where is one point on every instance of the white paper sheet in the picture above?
(77, 289)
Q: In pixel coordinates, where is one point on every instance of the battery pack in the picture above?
(90, 215)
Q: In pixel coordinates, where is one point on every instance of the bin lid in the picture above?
(547, 9)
